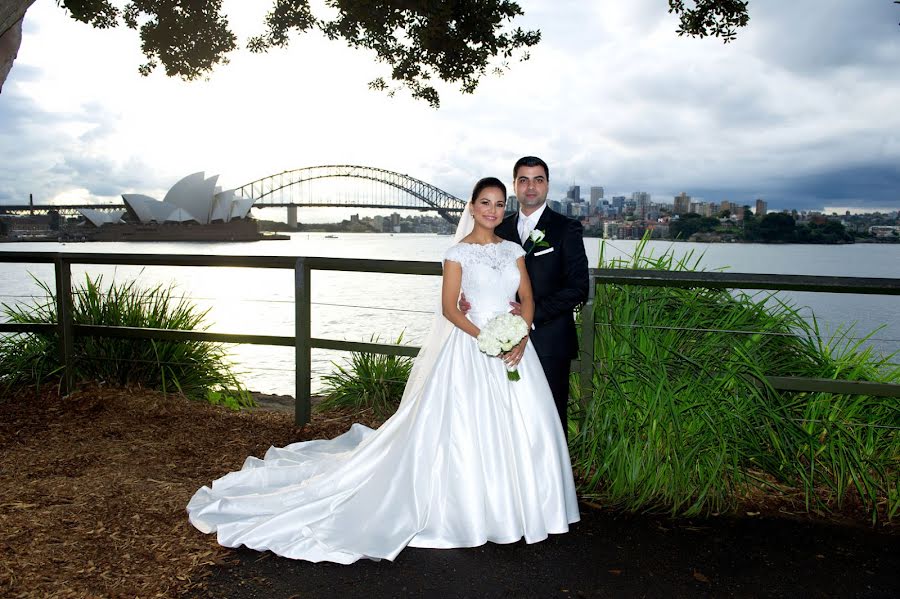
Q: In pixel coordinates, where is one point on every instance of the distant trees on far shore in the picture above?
(775, 227)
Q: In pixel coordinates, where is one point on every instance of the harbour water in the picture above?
(358, 306)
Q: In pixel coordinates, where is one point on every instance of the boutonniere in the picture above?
(537, 240)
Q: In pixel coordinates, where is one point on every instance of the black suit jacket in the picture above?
(559, 280)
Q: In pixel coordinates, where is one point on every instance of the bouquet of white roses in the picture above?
(500, 334)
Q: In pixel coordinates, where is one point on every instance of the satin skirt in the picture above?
(473, 458)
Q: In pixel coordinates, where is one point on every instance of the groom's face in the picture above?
(531, 187)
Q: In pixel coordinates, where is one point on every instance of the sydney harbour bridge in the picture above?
(331, 186)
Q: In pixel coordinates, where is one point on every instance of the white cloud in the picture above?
(611, 96)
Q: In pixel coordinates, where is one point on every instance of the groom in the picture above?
(558, 269)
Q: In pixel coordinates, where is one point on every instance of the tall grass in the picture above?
(367, 381)
(681, 420)
(197, 369)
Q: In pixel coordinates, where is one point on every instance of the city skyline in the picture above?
(799, 110)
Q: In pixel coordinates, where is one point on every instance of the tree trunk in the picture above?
(11, 14)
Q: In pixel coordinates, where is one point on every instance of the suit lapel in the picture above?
(527, 244)
(544, 221)
(509, 228)
(515, 230)
(540, 226)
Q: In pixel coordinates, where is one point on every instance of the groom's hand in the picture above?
(516, 308)
(464, 306)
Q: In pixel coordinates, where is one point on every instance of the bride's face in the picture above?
(488, 207)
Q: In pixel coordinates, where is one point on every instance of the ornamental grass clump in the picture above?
(367, 381)
(681, 419)
(197, 369)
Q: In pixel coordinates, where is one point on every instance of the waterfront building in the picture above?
(631, 230)
(98, 218)
(884, 232)
(610, 230)
(194, 198)
(34, 226)
(726, 205)
(659, 230)
(761, 207)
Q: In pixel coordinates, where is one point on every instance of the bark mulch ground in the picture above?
(93, 488)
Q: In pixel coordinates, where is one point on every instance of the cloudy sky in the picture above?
(802, 110)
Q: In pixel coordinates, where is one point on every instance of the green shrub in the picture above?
(367, 381)
(198, 369)
(680, 419)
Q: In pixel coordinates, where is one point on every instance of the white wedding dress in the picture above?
(469, 458)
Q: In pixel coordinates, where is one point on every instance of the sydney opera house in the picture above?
(193, 209)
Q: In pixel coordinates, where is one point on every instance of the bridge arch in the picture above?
(270, 191)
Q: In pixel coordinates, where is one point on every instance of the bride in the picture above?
(468, 457)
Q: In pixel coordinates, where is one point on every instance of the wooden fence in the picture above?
(303, 343)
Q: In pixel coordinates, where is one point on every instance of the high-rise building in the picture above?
(596, 199)
(761, 207)
(682, 203)
(641, 204)
(630, 206)
(726, 205)
(512, 204)
(574, 193)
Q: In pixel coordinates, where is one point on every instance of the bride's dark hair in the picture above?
(484, 184)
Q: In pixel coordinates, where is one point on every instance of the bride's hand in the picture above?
(514, 356)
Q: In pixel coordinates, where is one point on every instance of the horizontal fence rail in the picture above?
(728, 280)
(303, 342)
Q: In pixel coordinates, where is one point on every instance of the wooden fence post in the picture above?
(63, 269)
(586, 371)
(302, 348)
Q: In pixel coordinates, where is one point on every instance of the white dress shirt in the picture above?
(526, 224)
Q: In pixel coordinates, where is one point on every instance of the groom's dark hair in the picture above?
(530, 161)
(484, 184)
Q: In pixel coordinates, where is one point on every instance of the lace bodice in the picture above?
(490, 277)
